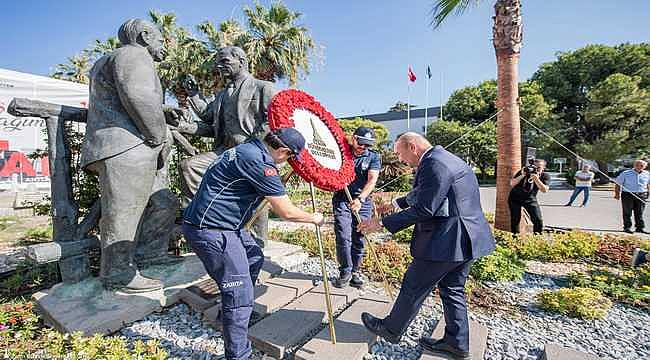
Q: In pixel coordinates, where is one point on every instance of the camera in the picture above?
(531, 168)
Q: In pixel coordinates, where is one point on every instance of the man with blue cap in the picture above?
(349, 242)
(232, 188)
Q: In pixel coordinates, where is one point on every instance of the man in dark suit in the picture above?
(237, 115)
(450, 233)
(126, 145)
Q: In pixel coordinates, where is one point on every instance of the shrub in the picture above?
(22, 338)
(393, 259)
(306, 238)
(37, 235)
(502, 265)
(556, 246)
(631, 287)
(29, 277)
(576, 302)
(617, 249)
(403, 236)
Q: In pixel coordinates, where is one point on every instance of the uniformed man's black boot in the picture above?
(356, 280)
(343, 280)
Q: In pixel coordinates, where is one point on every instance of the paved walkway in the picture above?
(603, 213)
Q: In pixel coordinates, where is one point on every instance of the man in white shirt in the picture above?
(632, 187)
(584, 178)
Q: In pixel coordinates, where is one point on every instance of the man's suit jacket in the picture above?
(252, 104)
(446, 209)
(125, 105)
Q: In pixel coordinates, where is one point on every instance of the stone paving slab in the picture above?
(296, 282)
(87, 307)
(268, 299)
(349, 292)
(353, 341)
(477, 341)
(283, 254)
(201, 296)
(558, 352)
(292, 323)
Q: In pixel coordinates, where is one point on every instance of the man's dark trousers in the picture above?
(420, 279)
(533, 209)
(349, 242)
(234, 260)
(631, 204)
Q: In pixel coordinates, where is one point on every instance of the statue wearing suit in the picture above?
(450, 233)
(126, 146)
(237, 114)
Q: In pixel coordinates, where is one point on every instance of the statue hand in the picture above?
(190, 85)
(175, 116)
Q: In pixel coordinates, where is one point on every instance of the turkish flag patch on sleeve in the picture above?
(270, 172)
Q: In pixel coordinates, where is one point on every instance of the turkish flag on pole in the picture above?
(411, 74)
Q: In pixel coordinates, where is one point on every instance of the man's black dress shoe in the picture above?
(441, 347)
(375, 326)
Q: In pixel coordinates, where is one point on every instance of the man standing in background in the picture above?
(632, 188)
(584, 178)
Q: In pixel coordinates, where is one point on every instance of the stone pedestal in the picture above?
(87, 307)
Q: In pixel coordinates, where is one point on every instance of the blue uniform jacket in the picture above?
(458, 233)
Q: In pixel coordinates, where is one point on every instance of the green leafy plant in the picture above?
(630, 287)
(37, 235)
(550, 247)
(502, 265)
(392, 258)
(306, 238)
(29, 277)
(21, 337)
(404, 236)
(576, 302)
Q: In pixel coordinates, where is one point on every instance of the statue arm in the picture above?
(135, 80)
(201, 127)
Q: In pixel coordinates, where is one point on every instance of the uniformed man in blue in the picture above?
(450, 233)
(350, 242)
(232, 187)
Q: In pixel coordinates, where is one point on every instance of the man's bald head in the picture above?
(410, 147)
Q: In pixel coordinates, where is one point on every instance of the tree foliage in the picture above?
(568, 84)
(477, 144)
(474, 104)
(381, 132)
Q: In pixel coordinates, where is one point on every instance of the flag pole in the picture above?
(441, 118)
(408, 106)
(426, 103)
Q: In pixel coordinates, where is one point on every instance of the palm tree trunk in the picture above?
(507, 33)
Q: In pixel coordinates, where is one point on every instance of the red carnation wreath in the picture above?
(280, 114)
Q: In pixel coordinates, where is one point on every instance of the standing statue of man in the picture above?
(237, 114)
(126, 145)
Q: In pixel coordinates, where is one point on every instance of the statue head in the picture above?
(143, 33)
(231, 62)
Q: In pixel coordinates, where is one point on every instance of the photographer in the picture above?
(525, 185)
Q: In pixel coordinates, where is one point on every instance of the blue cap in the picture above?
(292, 138)
(365, 135)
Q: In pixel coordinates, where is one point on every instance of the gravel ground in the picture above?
(517, 329)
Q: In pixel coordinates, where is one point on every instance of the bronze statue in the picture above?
(236, 115)
(126, 145)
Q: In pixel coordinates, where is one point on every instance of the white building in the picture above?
(397, 121)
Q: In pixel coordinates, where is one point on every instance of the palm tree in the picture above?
(76, 69)
(185, 55)
(507, 38)
(276, 46)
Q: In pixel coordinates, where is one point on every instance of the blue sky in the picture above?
(367, 45)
